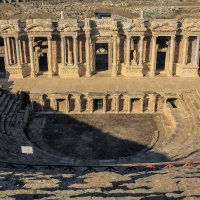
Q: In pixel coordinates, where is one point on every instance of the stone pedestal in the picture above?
(190, 70)
(16, 71)
(69, 71)
(134, 70)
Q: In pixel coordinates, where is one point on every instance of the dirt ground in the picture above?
(94, 136)
(166, 184)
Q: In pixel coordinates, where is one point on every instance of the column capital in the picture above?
(30, 38)
(49, 38)
(16, 37)
(75, 36)
(185, 37)
(128, 37)
(142, 37)
(173, 36)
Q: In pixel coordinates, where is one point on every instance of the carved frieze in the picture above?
(135, 25)
(105, 24)
(191, 25)
(9, 26)
(164, 25)
(68, 25)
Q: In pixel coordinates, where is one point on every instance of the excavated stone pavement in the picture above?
(175, 183)
(43, 84)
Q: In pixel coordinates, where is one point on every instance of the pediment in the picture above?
(9, 29)
(68, 28)
(135, 26)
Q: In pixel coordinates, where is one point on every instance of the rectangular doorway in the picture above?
(97, 104)
(101, 50)
(160, 64)
(2, 65)
(43, 62)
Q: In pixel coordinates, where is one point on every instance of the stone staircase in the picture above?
(180, 142)
(184, 141)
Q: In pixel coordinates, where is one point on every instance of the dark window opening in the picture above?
(2, 65)
(83, 105)
(172, 102)
(98, 104)
(101, 14)
(121, 104)
(61, 104)
(109, 104)
(71, 105)
(1, 42)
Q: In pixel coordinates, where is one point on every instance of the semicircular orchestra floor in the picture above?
(92, 136)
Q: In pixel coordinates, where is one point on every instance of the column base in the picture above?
(190, 70)
(69, 71)
(134, 70)
(88, 74)
(17, 71)
(114, 73)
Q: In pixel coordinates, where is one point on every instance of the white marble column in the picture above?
(31, 57)
(18, 50)
(196, 53)
(114, 67)
(87, 48)
(171, 58)
(153, 57)
(185, 50)
(75, 48)
(141, 49)
(50, 68)
(128, 50)
(63, 50)
(6, 51)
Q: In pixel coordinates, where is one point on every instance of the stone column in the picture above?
(31, 57)
(67, 104)
(75, 48)
(141, 49)
(9, 51)
(63, 50)
(185, 48)
(171, 58)
(141, 104)
(104, 105)
(128, 99)
(18, 50)
(87, 49)
(117, 104)
(153, 57)
(13, 50)
(50, 57)
(6, 51)
(128, 50)
(69, 53)
(114, 67)
(24, 51)
(196, 54)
